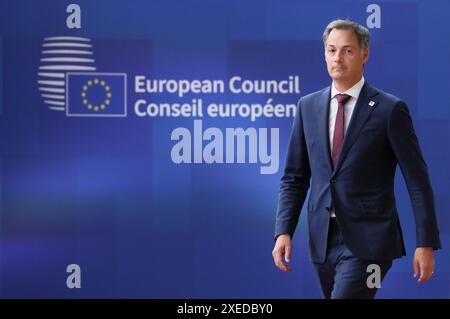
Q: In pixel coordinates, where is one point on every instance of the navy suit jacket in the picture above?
(361, 186)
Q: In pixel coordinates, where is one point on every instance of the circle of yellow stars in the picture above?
(101, 106)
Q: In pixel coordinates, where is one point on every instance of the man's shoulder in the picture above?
(387, 102)
(384, 96)
(311, 98)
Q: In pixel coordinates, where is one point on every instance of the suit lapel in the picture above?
(323, 135)
(361, 113)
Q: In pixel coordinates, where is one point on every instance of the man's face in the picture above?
(344, 56)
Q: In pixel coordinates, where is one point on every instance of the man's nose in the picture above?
(338, 57)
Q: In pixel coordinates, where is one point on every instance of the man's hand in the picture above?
(282, 249)
(423, 263)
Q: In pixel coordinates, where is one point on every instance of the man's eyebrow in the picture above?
(344, 46)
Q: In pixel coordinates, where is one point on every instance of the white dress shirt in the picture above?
(348, 111)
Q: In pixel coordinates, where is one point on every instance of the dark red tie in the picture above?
(339, 127)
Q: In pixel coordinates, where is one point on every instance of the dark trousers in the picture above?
(343, 275)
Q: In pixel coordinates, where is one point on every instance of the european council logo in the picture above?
(96, 94)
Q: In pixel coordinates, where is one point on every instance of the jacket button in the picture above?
(333, 181)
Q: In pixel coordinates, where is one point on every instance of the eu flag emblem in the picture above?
(96, 94)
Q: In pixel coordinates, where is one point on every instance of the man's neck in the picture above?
(344, 86)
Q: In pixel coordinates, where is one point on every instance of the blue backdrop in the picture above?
(104, 192)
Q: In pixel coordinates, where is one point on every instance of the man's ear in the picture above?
(365, 56)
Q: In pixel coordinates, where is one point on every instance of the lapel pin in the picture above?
(371, 103)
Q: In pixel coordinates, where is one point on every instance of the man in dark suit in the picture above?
(348, 138)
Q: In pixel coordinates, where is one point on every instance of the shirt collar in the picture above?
(353, 91)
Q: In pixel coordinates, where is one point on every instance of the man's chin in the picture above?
(337, 76)
(340, 73)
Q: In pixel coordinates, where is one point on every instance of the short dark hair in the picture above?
(361, 32)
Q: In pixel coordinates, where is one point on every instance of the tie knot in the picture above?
(343, 98)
